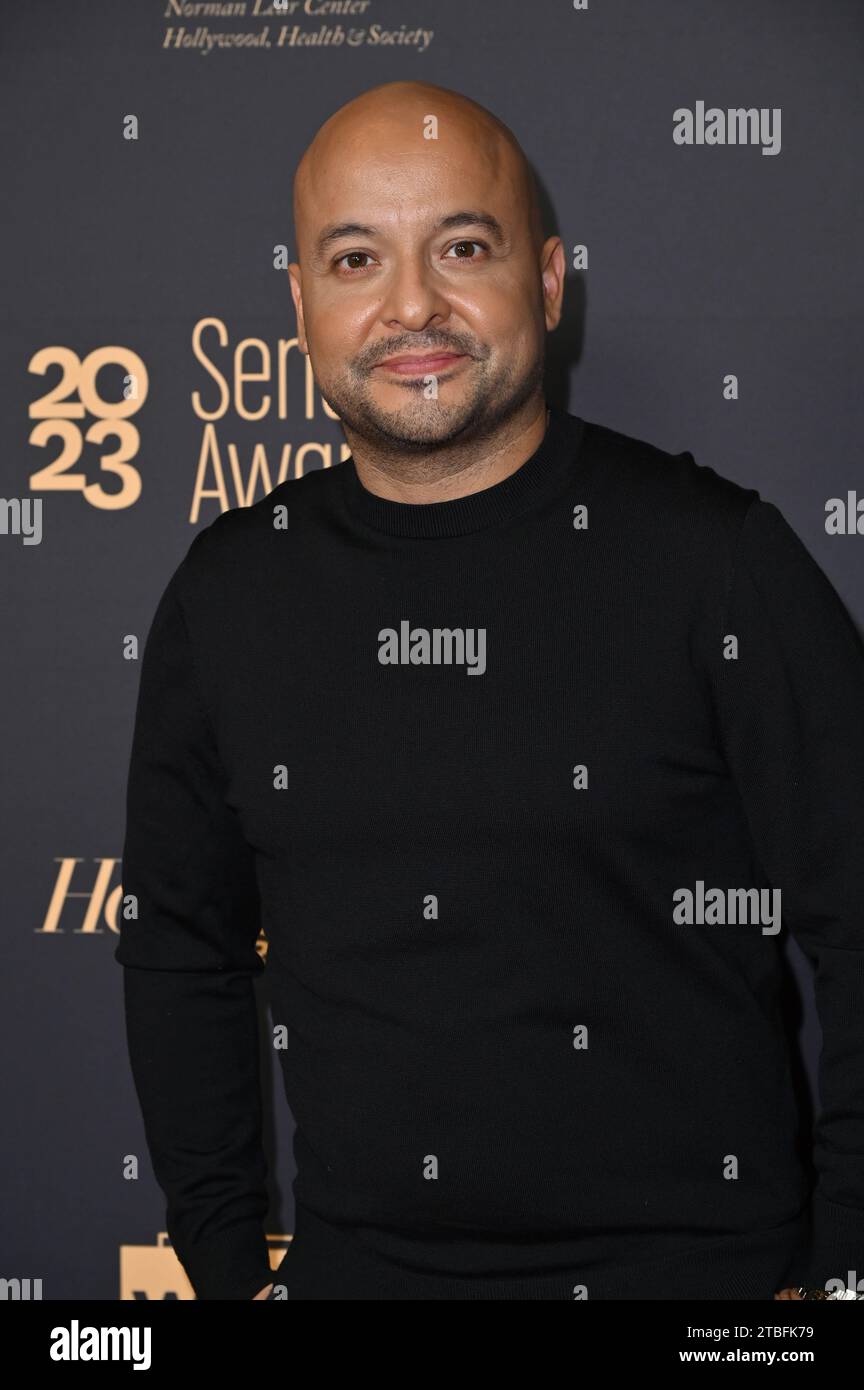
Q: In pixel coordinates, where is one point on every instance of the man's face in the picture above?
(426, 280)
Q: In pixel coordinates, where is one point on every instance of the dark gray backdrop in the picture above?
(703, 261)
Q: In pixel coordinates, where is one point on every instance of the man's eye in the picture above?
(457, 245)
(353, 256)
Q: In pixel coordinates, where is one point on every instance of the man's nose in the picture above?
(414, 295)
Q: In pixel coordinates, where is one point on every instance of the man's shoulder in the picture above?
(235, 541)
(673, 485)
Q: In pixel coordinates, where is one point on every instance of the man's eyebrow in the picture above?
(473, 218)
(470, 217)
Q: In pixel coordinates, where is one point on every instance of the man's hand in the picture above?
(263, 1293)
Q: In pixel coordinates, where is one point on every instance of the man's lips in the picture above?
(432, 362)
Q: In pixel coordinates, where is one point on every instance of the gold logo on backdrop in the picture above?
(154, 1271)
(251, 385)
(102, 906)
(75, 395)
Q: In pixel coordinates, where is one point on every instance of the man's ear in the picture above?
(297, 296)
(553, 270)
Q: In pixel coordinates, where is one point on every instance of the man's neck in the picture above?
(444, 474)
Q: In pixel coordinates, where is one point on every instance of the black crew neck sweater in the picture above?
(464, 762)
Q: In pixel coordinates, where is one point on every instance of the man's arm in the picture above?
(189, 961)
(792, 718)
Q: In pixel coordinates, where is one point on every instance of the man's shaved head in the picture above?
(401, 178)
(407, 104)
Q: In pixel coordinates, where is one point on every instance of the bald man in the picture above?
(522, 739)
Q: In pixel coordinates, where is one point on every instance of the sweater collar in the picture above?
(489, 506)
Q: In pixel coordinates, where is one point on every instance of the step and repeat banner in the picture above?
(700, 160)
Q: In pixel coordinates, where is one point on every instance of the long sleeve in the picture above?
(791, 709)
(189, 962)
